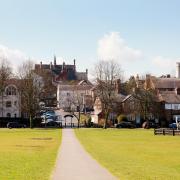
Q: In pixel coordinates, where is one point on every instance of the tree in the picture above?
(5, 75)
(49, 91)
(106, 73)
(76, 102)
(146, 101)
(147, 104)
(30, 89)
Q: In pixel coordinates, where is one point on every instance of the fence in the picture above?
(165, 131)
(5, 120)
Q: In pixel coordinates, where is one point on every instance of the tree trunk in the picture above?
(79, 117)
(31, 123)
(2, 105)
(106, 119)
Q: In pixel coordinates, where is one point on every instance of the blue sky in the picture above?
(142, 35)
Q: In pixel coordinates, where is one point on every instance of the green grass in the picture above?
(134, 154)
(28, 154)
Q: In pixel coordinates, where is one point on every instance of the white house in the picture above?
(71, 94)
(10, 102)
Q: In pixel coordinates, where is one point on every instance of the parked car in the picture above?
(50, 122)
(150, 124)
(49, 115)
(173, 125)
(124, 124)
(51, 112)
(15, 125)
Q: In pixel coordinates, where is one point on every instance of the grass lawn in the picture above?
(135, 153)
(28, 154)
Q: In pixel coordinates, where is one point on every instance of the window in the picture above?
(11, 91)
(8, 115)
(175, 107)
(68, 94)
(15, 103)
(8, 103)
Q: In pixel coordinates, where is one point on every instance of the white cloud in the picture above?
(164, 62)
(164, 65)
(14, 56)
(113, 46)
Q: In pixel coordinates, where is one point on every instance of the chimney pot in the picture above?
(178, 70)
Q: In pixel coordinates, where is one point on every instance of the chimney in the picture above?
(41, 65)
(54, 60)
(74, 64)
(63, 66)
(137, 77)
(178, 70)
(148, 81)
(87, 71)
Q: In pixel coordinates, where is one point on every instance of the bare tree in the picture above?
(76, 102)
(106, 73)
(5, 75)
(30, 89)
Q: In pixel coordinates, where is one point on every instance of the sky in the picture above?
(143, 36)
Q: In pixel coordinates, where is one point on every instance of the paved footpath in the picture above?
(74, 163)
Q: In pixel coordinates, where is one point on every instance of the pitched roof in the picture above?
(169, 97)
(75, 82)
(166, 83)
(75, 85)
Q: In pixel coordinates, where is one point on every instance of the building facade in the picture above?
(10, 100)
(54, 74)
(74, 94)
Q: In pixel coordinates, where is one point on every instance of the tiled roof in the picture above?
(76, 82)
(165, 83)
(74, 87)
(169, 97)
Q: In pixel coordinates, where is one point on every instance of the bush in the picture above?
(121, 118)
(88, 122)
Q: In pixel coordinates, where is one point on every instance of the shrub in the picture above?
(121, 118)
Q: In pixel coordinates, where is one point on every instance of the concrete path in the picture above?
(74, 163)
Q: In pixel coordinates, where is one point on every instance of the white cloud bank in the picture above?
(165, 65)
(14, 56)
(113, 47)
(163, 62)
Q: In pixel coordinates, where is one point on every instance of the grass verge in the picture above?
(134, 154)
(28, 154)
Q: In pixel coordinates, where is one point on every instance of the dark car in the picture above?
(173, 125)
(15, 125)
(125, 125)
